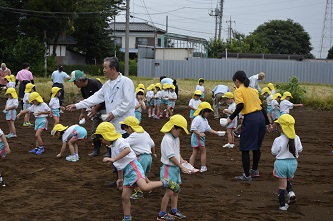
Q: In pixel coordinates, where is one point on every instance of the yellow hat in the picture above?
(200, 79)
(228, 95)
(197, 92)
(276, 95)
(28, 87)
(151, 87)
(139, 90)
(158, 85)
(99, 79)
(141, 86)
(286, 94)
(172, 87)
(133, 122)
(54, 91)
(271, 86)
(34, 96)
(8, 78)
(58, 128)
(265, 90)
(287, 123)
(12, 92)
(202, 106)
(165, 86)
(108, 131)
(12, 78)
(175, 120)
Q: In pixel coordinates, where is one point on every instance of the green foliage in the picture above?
(282, 37)
(133, 67)
(330, 53)
(215, 46)
(87, 69)
(294, 88)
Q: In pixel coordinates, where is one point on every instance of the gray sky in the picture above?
(191, 17)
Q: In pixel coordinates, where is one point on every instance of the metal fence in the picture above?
(318, 72)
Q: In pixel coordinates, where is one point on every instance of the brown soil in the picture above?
(46, 188)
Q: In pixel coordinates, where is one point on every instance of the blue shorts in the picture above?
(137, 115)
(171, 173)
(55, 112)
(2, 151)
(132, 173)
(275, 114)
(202, 95)
(80, 133)
(285, 168)
(232, 124)
(171, 103)
(157, 102)
(145, 160)
(11, 114)
(151, 102)
(41, 123)
(164, 101)
(197, 141)
(26, 106)
(269, 108)
(191, 113)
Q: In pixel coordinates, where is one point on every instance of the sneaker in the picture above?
(236, 134)
(3, 183)
(13, 135)
(229, 145)
(71, 158)
(33, 150)
(243, 178)
(177, 215)
(226, 145)
(138, 194)
(291, 197)
(284, 208)
(40, 150)
(173, 186)
(166, 217)
(25, 124)
(8, 136)
(94, 153)
(254, 173)
(203, 169)
(29, 124)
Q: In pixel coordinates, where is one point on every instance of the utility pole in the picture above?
(126, 71)
(229, 28)
(215, 13)
(220, 15)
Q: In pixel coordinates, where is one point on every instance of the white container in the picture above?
(82, 121)
(104, 116)
(221, 133)
(223, 122)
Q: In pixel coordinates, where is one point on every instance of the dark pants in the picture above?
(97, 143)
(21, 91)
(61, 98)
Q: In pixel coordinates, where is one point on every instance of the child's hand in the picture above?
(202, 135)
(6, 148)
(120, 183)
(154, 155)
(106, 159)
(59, 155)
(185, 170)
(38, 113)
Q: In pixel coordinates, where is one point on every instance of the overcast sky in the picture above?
(191, 17)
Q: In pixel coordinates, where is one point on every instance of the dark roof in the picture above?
(135, 26)
(65, 39)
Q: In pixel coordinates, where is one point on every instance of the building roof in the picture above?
(134, 26)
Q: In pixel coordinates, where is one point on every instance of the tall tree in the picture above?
(330, 53)
(282, 37)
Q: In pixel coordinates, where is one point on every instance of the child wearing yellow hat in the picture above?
(55, 104)
(150, 100)
(10, 110)
(285, 149)
(233, 124)
(28, 89)
(266, 92)
(285, 104)
(71, 135)
(199, 127)
(9, 81)
(164, 100)
(172, 164)
(139, 103)
(275, 106)
(201, 88)
(194, 103)
(41, 111)
(271, 88)
(142, 144)
(130, 171)
(158, 100)
(171, 102)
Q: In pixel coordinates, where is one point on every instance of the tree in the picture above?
(215, 46)
(330, 53)
(282, 37)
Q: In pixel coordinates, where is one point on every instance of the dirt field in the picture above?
(46, 188)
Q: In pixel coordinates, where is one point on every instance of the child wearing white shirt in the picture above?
(201, 88)
(4, 150)
(233, 124)
(55, 104)
(286, 148)
(171, 102)
(150, 100)
(10, 110)
(28, 88)
(194, 103)
(286, 105)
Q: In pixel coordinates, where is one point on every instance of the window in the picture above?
(119, 42)
(141, 41)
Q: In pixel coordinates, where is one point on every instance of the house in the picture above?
(140, 33)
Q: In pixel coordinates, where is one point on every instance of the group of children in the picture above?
(133, 156)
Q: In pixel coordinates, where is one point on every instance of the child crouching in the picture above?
(130, 171)
(72, 135)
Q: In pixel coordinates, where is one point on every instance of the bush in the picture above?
(294, 88)
(91, 70)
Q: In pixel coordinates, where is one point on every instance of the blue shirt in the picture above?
(58, 77)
